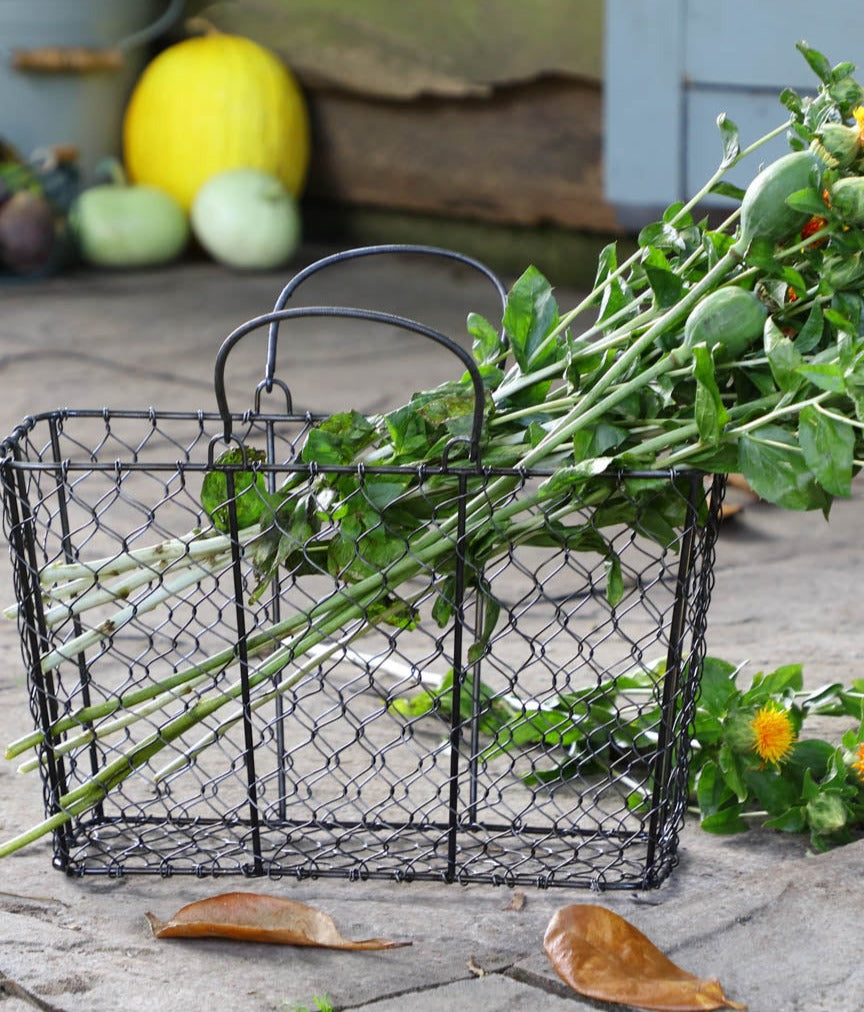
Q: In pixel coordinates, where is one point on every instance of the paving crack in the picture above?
(10, 988)
(730, 925)
(16, 358)
(550, 985)
(475, 971)
(535, 980)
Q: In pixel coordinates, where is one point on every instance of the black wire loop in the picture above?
(263, 388)
(354, 254)
(351, 313)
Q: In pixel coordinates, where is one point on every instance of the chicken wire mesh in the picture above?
(420, 688)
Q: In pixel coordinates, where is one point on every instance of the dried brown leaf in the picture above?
(601, 955)
(516, 901)
(255, 917)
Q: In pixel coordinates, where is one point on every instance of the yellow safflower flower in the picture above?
(773, 736)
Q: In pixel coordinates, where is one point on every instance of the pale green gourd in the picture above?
(115, 225)
(246, 219)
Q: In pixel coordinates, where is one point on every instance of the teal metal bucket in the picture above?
(67, 68)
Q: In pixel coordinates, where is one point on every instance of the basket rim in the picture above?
(14, 440)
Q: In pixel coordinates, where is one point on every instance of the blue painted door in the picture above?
(672, 66)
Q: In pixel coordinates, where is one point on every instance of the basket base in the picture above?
(495, 855)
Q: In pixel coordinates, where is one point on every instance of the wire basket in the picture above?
(379, 706)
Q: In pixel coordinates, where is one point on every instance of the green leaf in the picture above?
(490, 374)
(818, 63)
(675, 212)
(338, 439)
(841, 321)
(661, 235)
(717, 686)
(829, 446)
(614, 296)
(606, 436)
(568, 479)
(531, 314)
(810, 756)
(774, 792)
(852, 738)
(761, 254)
(251, 499)
(667, 286)
(832, 700)
(786, 678)
(535, 433)
(711, 415)
(445, 405)
(284, 542)
(553, 728)
(810, 334)
(845, 91)
(442, 609)
(595, 441)
(774, 467)
(825, 377)
(724, 189)
(487, 341)
(614, 580)
(783, 357)
(720, 459)
(710, 789)
(733, 771)
(725, 822)
(707, 730)
(808, 201)
(790, 821)
(843, 72)
(842, 271)
(653, 524)
(729, 136)
(790, 99)
(491, 614)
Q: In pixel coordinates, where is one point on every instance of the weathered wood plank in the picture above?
(530, 154)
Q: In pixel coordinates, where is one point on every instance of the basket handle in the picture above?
(89, 59)
(278, 316)
(354, 254)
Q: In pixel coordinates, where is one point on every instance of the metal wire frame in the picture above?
(471, 823)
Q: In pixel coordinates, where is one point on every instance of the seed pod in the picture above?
(847, 199)
(837, 146)
(728, 320)
(764, 211)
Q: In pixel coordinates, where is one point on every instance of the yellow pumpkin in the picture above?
(212, 103)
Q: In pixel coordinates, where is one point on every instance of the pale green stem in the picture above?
(189, 754)
(191, 544)
(100, 594)
(165, 590)
(839, 418)
(723, 169)
(779, 412)
(132, 716)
